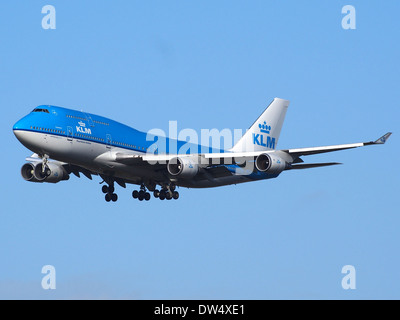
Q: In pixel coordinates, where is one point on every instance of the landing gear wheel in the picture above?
(111, 189)
(104, 189)
(135, 194)
(108, 197)
(156, 193)
(147, 196)
(162, 195)
(175, 195)
(114, 197)
(141, 195)
(168, 196)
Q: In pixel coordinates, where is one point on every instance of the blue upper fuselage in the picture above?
(85, 126)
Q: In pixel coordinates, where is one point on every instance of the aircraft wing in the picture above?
(296, 153)
(316, 150)
(220, 158)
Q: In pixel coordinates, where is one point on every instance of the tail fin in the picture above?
(264, 133)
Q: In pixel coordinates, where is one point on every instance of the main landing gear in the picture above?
(142, 194)
(167, 192)
(109, 191)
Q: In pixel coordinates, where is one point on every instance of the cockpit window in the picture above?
(40, 110)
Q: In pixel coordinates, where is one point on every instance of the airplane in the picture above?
(66, 141)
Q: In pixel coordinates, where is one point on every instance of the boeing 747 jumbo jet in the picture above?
(66, 141)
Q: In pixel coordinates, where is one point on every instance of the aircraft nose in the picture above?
(17, 130)
(17, 126)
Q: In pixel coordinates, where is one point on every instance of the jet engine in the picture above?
(53, 172)
(27, 172)
(185, 167)
(270, 163)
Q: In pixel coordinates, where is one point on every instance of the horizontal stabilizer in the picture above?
(312, 165)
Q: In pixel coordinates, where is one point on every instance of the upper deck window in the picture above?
(40, 110)
(100, 122)
(76, 117)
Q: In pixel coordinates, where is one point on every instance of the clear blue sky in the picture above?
(207, 64)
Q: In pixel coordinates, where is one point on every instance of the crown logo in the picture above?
(82, 124)
(264, 128)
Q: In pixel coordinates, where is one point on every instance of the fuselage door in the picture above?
(109, 140)
(70, 134)
(89, 119)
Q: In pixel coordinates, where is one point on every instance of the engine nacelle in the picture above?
(184, 167)
(270, 163)
(53, 173)
(28, 172)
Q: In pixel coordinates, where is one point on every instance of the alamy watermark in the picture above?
(349, 280)
(49, 20)
(349, 20)
(49, 280)
(188, 141)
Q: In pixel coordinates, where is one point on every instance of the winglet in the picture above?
(382, 139)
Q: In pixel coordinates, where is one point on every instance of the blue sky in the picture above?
(207, 64)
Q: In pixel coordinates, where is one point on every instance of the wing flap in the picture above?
(316, 150)
(219, 171)
(311, 165)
